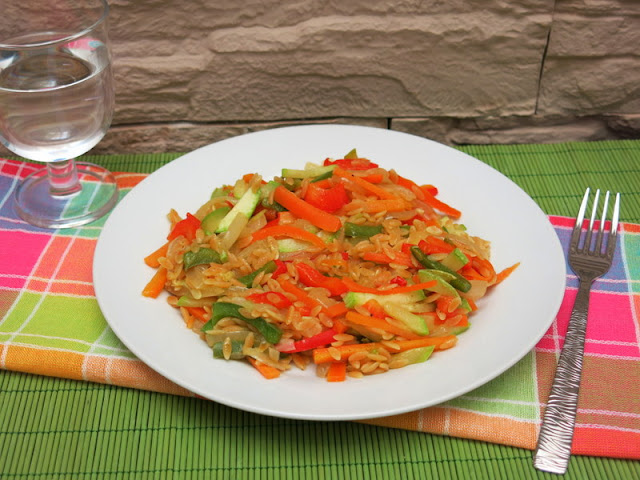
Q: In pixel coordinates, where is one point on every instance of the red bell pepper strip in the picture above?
(281, 268)
(187, 228)
(276, 299)
(401, 282)
(327, 199)
(429, 189)
(316, 341)
(352, 163)
(311, 277)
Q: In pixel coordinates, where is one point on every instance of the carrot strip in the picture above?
(432, 244)
(400, 259)
(379, 323)
(339, 326)
(152, 259)
(267, 371)
(356, 287)
(287, 231)
(337, 372)
(368, 186)
(374, 178)
(198, 312)
(484, 268)
(375, 309)
(432, 201)
(156, 284)
(506, 272)
(299, 293)
(472, 304)
(300, 208)
(374, 206)
(337, 310)
(411, 186)
(322, 355)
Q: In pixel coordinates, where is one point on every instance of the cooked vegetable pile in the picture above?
(345, 265)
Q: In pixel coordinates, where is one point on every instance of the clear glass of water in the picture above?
(56, 102)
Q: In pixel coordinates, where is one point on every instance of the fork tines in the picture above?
(587, 246)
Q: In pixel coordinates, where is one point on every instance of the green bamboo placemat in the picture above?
(64, 429)
(59, 429)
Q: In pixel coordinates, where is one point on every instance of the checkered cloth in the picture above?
(50, 324)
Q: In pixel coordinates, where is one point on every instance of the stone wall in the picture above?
(458, 71)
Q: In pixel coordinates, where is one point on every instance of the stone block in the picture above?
(590, 86)
(598, 7)
(518, 130)
(361, 59)
(185, 137)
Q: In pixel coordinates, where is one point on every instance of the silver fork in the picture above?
(589, 262)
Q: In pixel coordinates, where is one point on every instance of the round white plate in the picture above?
(509, 322)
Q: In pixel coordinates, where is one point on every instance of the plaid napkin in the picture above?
(50, 324)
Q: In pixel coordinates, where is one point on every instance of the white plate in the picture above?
(509, 322)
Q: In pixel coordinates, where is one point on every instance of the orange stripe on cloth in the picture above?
(507, 431)
(53, 363)
(631, 227)
(129, 373)
(129, 180)
(93, 368)
(454, 422)
(431, 420)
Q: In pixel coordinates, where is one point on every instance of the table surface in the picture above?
(58, 428)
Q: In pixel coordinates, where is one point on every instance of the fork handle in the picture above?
(556, 434)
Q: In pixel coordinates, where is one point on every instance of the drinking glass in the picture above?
(56, 102)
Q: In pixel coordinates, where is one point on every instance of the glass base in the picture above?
(38, 205)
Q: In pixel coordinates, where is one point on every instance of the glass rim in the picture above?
(66, 38)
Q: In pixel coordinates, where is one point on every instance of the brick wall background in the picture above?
(192, 72)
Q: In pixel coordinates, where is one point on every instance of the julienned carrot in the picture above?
(368, 186)
(339, 326)
(379, 323)
(300, 208)
(287, 231)
(374, 178)
(322, 355)
(156, 284)
(337, 372)
(439, 205)
(267, 371)
(337, 310)
(506, 272)
(433, 244)
(356, 287)
(198, 312)
(152, 259)
(374, 206)
(411, 186)
(400, 258)
(374, 308)
(300, 294)
(484, 268)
